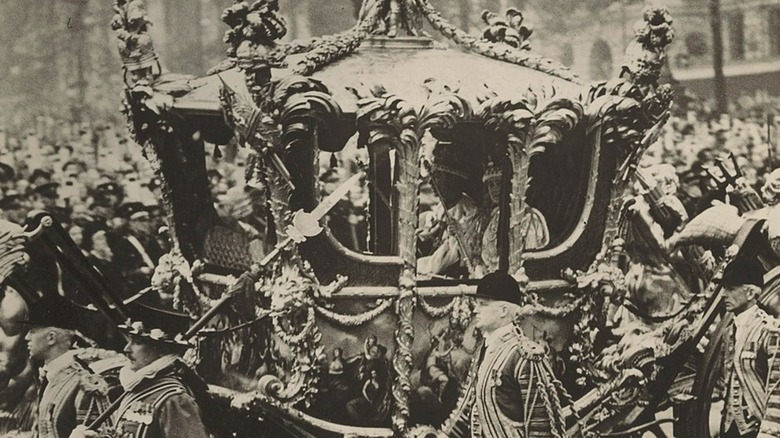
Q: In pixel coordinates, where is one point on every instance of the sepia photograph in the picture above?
(389, 218)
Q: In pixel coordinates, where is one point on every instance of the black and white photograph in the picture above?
(389, 218)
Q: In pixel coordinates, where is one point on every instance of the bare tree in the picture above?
(721, 103)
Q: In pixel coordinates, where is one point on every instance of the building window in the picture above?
(696, 44)
(774, 31)
(736, 22)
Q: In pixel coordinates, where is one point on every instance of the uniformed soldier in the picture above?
(160, 389)
(12, 207)
(69, 394)
(136, 250)
(515, 392)
(752, 369)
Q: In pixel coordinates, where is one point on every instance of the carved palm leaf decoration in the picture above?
(528, 132)
(386, 117)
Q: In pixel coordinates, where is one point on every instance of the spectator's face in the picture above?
(77, 234)
(16, 212)
(42, 201)
(63, 154)
(100, 242)
(141, 225)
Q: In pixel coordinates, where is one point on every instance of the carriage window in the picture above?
(348, 220)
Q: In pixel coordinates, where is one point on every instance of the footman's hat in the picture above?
(153, 322)
(499, 286)
(745, 267)
(52, 311)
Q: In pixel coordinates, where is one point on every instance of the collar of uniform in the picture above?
(58, 364)
(499, 335)
(748, 314)
(130, 379)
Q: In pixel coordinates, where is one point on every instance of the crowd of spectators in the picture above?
(695, 138)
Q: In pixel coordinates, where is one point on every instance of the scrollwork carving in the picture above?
(292, 291)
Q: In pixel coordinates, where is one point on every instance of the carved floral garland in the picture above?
(353, 320)
(292, 292)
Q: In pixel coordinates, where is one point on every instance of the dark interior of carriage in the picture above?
(559, 183)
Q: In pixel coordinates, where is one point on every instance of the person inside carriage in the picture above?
(463, 233)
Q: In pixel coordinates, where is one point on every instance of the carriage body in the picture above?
(360, 340)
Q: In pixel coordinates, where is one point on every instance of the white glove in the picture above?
(81, 431)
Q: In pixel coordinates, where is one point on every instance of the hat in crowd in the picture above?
(499, 286)
(108, 187)
(41, 183)
(79, 163)
(90, 229)
(52, 311)
(39, 176)
(156, 324)
(10, 198)
(132, 210)
(154, 183)
(48, 189)
(746, 268)
(6, 172)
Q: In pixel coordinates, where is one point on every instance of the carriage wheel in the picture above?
(694, 416)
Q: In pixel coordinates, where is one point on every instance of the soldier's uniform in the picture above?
(160, 405)
(512, 390)
(160, 398)
(70, 394)
(753, 372)
(751, 363)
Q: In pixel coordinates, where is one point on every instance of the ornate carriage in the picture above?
(324, 337)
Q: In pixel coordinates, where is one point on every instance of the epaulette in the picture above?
(770, 322)
(93, 384)
(529, 349)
